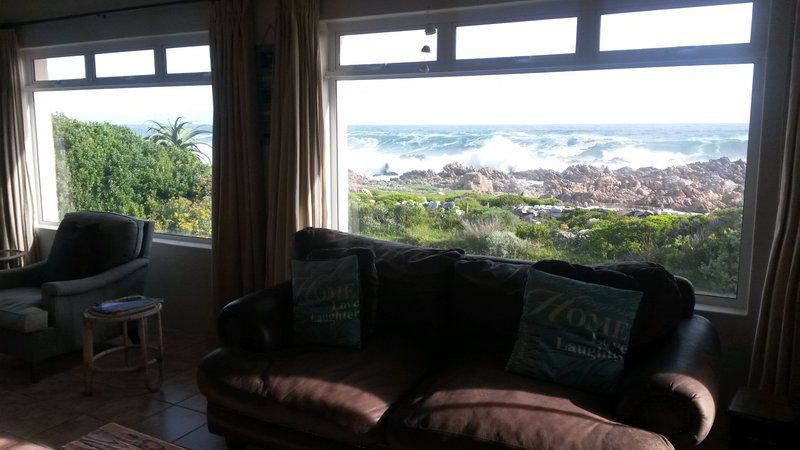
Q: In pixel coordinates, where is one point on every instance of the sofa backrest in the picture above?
(486, 304)
(88, 243)
(413, 282)
(476, 301)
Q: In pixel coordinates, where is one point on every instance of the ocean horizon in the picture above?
(396, 149)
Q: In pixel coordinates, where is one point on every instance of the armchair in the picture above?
(95, 256)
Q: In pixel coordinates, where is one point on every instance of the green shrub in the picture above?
(104, 167)
(538, 232)
(505, 217)
(507, 200)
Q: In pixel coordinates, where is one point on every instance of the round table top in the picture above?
(140, 314)
(11, 255)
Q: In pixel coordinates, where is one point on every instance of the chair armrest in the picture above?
(672, 388)
(82, 285)
(28, 276)
(258, 322)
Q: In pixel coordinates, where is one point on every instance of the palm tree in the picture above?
(178, 134)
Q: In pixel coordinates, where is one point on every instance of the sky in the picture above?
(698, 94)
(131, 106)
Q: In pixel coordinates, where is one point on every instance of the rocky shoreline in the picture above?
(697, 187)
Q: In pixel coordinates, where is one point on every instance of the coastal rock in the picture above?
(455, 170)
(698, 187)
(475, 182)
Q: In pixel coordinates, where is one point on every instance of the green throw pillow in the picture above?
(573, 333)
(327, 302)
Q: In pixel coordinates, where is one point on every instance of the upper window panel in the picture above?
(194, 59)
(385, 48)
(529, 38)
(125, 64)
(704, 25)
(62, 68)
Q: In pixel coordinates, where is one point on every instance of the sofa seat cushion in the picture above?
(335, 393)
(21, 310)
(476, 404)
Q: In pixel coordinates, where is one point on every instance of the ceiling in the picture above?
(27, 10)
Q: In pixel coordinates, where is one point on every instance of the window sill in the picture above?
(181, 241)
(735, 310)
(158, 238)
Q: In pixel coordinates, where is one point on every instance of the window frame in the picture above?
(160, 78)
(587, 56)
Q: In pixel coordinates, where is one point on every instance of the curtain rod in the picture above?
(99, 13)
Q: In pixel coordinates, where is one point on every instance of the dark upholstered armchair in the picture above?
(95, 256)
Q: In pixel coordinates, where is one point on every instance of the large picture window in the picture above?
(128, 138)
(591, 156)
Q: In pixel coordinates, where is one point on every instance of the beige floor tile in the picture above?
(201, 439)
(24, 417)
(129, 411)
(172, 423)
(68, 431)
(196, 402)
(178, 387)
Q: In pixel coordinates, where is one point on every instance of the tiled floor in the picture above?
(54, 410)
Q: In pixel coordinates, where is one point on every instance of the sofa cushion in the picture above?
(413, 282)
(88, 243)
(574, 333)
(20, 310)
(368, 276)
(336, 393)
(326, 302)
(486, 304)
(474, 403)
(662, 306)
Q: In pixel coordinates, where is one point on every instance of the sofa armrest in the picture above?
(27, 276)
(82, 285)
(672, 389)
(258, 322)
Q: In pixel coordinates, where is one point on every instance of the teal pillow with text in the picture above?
(573, 333)
(326, 300)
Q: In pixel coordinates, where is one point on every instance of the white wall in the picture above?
(180, 273)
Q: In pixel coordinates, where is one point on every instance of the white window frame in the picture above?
(587, 56)
(160, 78)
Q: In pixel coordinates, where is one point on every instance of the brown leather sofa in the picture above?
(432, 377)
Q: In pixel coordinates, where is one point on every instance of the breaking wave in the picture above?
(382, 149)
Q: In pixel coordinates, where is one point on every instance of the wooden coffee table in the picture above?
(115, 436)
(90, 359)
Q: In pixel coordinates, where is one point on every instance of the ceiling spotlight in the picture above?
(426, 48)
(430, 29)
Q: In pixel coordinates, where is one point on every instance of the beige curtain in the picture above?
(238, 181)
(775, 363)
(296, 167)
(16, 202)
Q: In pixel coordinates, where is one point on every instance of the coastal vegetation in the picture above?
(105, 167)
(701, 247)
(164, 177)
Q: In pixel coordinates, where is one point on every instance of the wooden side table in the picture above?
(764, 421)
(11, 258)
(90, 359)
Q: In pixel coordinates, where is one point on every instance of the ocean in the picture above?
(381, 149)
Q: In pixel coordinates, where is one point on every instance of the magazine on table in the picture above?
(125, 305)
